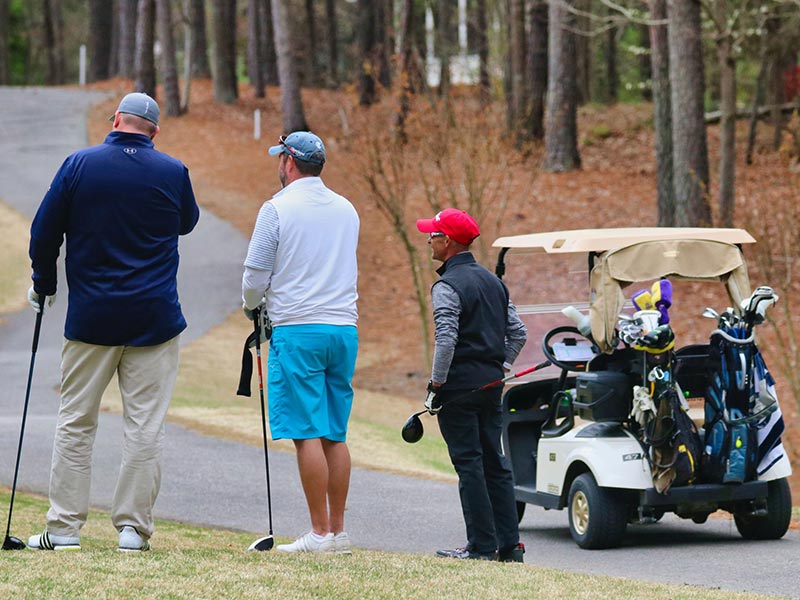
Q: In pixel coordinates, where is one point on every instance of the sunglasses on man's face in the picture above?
(436, 234)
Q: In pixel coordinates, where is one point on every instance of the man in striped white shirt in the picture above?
(301, 268)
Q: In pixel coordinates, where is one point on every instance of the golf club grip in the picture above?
(246, 374)
(36, 329)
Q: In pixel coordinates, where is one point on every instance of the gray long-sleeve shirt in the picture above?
(446, 312)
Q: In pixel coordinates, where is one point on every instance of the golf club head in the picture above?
(13, 543)
(710, 313)
(412, 430)
(262, 544)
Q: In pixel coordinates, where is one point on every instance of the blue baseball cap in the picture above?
(141, 105)
(301, 145)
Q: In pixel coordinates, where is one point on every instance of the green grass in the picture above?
(193, 562)
(15, 273)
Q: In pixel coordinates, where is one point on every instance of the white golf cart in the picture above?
(571, 438)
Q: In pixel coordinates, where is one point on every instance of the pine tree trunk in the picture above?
(54, 42)
(727, 88)
(383, 43)
(144, 65)
(294, 118)
(690, 148)
(100, 19)
(561, 132)
(223, 13)
(333, 46)
(126, 49)
(583, 52)
(612, 74)
(516, 51)
(254, 71)
(366, 49)
(169, 69)
(444, 45)
(536, 66)
(662, 114)
(311, 73)
(197, 17)
(483, 51)
(269, 60)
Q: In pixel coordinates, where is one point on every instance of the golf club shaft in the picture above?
(37, 327)
(257, 324)
(492, 384)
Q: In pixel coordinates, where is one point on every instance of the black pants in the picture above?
(472, 428)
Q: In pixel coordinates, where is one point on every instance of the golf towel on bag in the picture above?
(743, 423)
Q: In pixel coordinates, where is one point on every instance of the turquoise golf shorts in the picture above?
(309, 373)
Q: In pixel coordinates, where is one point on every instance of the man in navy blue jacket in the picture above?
(121, 206)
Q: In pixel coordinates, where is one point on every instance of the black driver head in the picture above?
(412, 430)
(13, 543)
(262, 544)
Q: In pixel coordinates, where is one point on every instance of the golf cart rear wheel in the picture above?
(520, 510)
(774, 524)
(597, 516)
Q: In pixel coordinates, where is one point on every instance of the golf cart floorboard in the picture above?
(529, 495)
(705, 492)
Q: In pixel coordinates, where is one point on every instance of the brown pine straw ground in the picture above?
(233, 175)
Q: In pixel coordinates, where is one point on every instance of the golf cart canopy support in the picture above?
(622, 256)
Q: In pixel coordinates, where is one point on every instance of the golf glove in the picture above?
(250, 312)
(432, 404)
(35, 300)
(644, 409)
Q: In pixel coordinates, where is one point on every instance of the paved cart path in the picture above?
(220, 483)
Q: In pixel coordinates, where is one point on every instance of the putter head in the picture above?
(412, 430)
(13, 543)
(262, 544)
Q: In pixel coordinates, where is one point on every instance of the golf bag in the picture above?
(674, 441)
(740, 402)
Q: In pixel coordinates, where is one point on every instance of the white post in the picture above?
(257, 124)
(82, 68)
(462, 26)
(429, 45)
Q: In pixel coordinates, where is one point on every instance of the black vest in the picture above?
(480, 350)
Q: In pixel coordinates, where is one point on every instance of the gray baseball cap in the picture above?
(302, 145)
(141, 105)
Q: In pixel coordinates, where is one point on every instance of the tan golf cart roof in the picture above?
(601, 240)
(639, 254)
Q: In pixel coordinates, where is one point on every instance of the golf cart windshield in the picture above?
(619, 257)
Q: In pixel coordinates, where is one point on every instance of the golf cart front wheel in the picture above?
(597, 516)
(774, 524)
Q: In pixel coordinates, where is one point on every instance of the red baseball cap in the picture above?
(456, 224)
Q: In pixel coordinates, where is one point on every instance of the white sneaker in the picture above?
(309, 542)
(47, 541)
(131, 541)
(341, 543)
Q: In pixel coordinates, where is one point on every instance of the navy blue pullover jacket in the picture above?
(121, 205)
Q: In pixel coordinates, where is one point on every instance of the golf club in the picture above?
(10, 542)
(265, 543)
(412, 430)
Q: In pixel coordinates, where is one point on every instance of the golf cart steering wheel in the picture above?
(578, 364)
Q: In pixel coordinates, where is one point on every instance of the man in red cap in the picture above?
(478, 335)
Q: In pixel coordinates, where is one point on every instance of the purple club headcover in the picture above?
(661, 294)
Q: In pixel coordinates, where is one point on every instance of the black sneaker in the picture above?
(513, 555)
(466, 553)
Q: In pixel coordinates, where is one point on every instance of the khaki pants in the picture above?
(146, 380)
